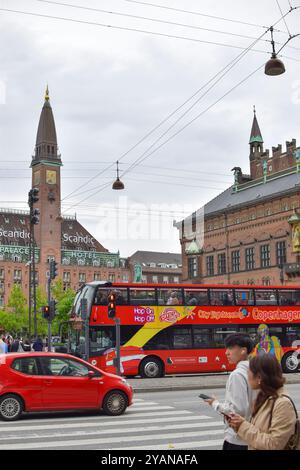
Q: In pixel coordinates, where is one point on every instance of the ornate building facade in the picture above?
(79, 255)
(250, 233)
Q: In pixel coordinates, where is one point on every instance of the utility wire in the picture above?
(198, 14)
(179, 131)
(123, 28)
(289, 33)
(155, 20)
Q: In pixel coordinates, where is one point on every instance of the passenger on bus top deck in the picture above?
(173, 299)
(192, 300)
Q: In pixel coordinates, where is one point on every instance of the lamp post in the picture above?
(34, 219)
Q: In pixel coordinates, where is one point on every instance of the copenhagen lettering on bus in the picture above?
(288, 315)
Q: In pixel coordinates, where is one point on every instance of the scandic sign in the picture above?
(199, 315)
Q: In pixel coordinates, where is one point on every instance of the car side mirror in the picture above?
(91, 374)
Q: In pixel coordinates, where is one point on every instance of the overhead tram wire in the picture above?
(160, 21)
(200, 14)
(228, 66)
(145, 18)
(99, 24)
(120, 158)
(180, 130)
(286, 25)
(123, 28)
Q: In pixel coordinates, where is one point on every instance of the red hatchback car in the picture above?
(58, 382)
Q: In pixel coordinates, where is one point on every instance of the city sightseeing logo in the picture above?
(169, 315)
(244, 312)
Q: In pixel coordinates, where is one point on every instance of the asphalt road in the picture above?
(162, 420)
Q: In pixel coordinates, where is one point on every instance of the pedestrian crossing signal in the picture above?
(111, 305)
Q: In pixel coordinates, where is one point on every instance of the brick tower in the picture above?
(256, 149)
(46, 163)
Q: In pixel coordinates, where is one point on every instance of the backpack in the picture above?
(294, 441)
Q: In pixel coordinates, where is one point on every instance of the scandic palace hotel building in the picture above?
(251, 231)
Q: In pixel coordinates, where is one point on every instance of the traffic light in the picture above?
(46, 312)
(35, 216)
(53, 269)
(52, 308)
(33, 196)
(112, 305)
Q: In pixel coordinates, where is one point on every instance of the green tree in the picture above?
(64, 299)
(17, 301)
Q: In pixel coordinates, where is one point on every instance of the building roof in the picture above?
(14, 230)
(155, 257)
(253, 193)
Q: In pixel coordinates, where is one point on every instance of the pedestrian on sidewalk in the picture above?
(239, 395)
(38, 344)
(274, 417)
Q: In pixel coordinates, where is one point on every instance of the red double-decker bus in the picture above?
(181, 328)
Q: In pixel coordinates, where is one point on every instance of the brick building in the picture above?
(79, 255)
(156, 267)
(251, 231)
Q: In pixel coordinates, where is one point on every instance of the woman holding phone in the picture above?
(273, 419)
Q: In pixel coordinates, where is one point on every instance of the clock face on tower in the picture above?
(51, 177)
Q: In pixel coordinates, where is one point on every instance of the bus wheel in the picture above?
(151, 368)
(290, 362)
(115, 403)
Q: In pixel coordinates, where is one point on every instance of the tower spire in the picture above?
(255, 135)
(47, 94)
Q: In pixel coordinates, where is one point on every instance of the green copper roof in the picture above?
(255, 135)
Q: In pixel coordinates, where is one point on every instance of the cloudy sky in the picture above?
(112, 87)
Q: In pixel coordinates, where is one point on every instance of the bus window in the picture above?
(289, 296)
(181, 336)
(265, 297)
(293, 336)
(196, 297)
(169, 297)
(202, 338)
(142, 296)
(101, 297)
(244, 297)
(101, 338)
(221, 297)
(121, 296)
(159, 341)
(220, 334)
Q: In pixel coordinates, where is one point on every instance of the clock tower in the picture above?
(46, 163)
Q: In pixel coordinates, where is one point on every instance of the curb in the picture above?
(193, 386)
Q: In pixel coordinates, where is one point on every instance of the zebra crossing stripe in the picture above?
(118, 431)
(99, 443)
(178, 445)
(100, 423)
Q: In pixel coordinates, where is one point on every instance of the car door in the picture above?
(66, 384)
(27, 381)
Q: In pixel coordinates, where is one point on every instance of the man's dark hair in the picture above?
(239, 339)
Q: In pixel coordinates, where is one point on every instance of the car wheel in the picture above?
(115, 403)
(151, 368)
(290, 362)
(11, 407)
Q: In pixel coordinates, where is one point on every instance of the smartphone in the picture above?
(204, 397)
